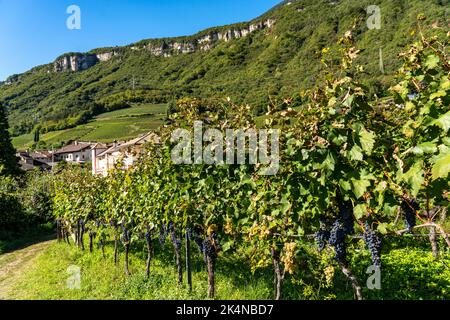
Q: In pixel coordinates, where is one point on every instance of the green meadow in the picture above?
(119, 125)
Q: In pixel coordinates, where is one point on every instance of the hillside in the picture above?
(272, 56)
(119, 125)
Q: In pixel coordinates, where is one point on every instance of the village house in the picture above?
(44, 156)
(126, 152)
(103, 157)
(33, 161)
(79, 152)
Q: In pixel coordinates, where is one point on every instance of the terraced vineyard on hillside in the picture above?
(117, 125)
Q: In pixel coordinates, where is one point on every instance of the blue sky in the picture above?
(34, 32)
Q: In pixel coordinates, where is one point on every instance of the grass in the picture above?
(117, 125)
(143, 109)
(406, 274)
(101, 279)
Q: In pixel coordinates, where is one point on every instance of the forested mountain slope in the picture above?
(273, 56)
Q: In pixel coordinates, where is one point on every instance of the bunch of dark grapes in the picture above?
(176, 242)
(162, 235)
(148, 235)
(189, 233)
(346, 215)
(373, 242)
(209, 249)
(409, 209)
(322, 237)
(195, 236)
(337, 240)
(81, 223)
(113, 223)
(126, 234)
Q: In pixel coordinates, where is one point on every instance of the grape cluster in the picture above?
(189, 232)
(337, 240)
(409, 209)
(162, 235)
(113, 223)
(346, 215)
(173, 237)
(148, 235)
(196, 237)
(126, 234)
(209, 249)
(373, 242)
(177, 243)
(322, 237)
(81, 224)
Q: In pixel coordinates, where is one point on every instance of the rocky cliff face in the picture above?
(80, 62)
(205, 42)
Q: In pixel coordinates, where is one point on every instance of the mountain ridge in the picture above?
(266, 64)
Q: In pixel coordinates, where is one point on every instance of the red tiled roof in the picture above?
(41, 154)
(73, 148)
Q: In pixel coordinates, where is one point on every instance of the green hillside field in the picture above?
(117, 125)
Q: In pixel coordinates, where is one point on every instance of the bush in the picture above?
(25, 202)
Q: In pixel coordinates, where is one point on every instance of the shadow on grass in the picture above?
(12, 241)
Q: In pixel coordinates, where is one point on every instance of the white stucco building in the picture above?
(127, 152)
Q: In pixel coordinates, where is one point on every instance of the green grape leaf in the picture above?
(439, 94)
(360, 187)
(355, 154)
(382, 228)
(441, 166)
(427, 147)
(414, 177)
(345, 185)
(359, 211)
(443, 122)
(432, 61)
(367, 139)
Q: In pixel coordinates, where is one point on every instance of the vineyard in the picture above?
(354, 173)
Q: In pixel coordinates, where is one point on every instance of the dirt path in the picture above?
(14, 264)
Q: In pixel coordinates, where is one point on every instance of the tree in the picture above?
(36, 135)
(8, 160)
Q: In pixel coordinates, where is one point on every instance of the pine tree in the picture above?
(8, 160)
